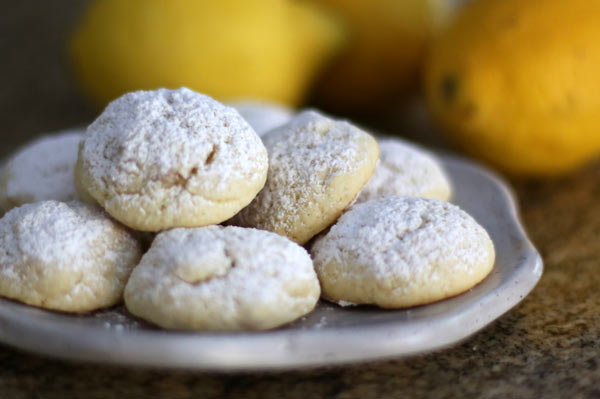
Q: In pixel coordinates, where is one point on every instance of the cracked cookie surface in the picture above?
(399, 251)
(65, 256)
(170, 158)
(317, 166)
(222, 278)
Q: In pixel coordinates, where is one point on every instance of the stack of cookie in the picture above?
(227, 213)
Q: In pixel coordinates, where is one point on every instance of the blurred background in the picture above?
(512, 83)
(38, 94)
(291, 52)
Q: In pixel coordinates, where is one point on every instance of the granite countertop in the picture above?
(547, 346)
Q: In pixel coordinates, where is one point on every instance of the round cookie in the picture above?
(317, 166)
(64, 256)
(406, 170)
(222, 278)
(171, 158)
(41, 170)
(263, 116)
(397, 252)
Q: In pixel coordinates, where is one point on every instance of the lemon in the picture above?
(264, 49)
(387, 41)
(517, 83)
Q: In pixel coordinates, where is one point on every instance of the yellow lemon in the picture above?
(517, 83)
(265, 49)
(387, 41)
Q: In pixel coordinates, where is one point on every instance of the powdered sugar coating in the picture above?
(263, 116)
(64, 256)
(317, 166)
(167, 158)
(406, 170)
(41, 170)
(400, 251)
(222, 278)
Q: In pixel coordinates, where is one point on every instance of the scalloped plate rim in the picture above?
(294, 347)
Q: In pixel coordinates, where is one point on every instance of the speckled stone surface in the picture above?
(548, 346)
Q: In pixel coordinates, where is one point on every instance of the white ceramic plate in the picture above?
(329, 335)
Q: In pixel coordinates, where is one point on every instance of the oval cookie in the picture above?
(317, 166)
(222, 278)
(171, 158)
(65, 256)
(397, 252)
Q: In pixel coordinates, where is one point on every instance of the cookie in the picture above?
(263, 116)
(317, 166)
(41, 170)
(222, 278)
(406, 170)
(396, 252)
(171, 158)
(70, 256)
